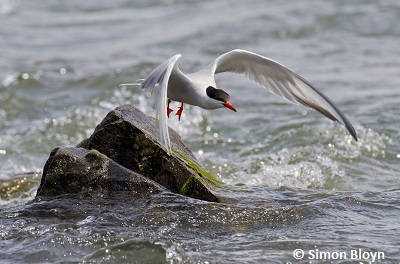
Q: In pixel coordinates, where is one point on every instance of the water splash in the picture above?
(300, 162)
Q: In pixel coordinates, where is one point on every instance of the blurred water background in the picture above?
(296, 179)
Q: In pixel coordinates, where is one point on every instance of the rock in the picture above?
(131, 138)
(76, 170)
(128, 142)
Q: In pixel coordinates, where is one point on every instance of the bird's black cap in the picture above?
(217, 94)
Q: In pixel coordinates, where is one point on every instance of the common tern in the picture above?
(200, 89)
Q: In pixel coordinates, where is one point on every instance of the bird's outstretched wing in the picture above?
(159, 78)
(280, 81)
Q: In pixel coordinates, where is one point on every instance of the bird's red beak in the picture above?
(228, 105)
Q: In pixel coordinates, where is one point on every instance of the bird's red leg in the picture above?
(169, 110)
(179, 112)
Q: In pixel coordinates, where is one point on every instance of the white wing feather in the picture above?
(280, 81)
(159, 78)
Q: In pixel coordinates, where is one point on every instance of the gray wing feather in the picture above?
(280, 81)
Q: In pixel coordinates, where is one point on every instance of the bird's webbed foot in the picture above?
(179, 112)
(169, 110)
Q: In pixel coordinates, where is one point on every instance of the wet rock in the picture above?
(128, 141)
(77, 170)
(131, 138)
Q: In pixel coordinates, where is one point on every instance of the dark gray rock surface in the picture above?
(124, 153)
(75, 170)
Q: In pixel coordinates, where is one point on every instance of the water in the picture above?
(294, 180)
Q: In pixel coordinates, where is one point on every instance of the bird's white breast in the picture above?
(191, 88)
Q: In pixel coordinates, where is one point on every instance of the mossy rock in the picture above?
(131, 138)
(127, 141)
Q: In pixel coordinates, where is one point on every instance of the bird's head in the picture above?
(220, 96)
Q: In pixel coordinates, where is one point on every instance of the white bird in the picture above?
(200, 89)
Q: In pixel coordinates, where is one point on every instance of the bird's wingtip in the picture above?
(351, 129)
(355, 136)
